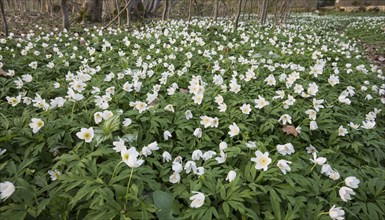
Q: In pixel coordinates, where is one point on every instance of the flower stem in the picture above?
(322, 213)
(128, 184)
(113, 173)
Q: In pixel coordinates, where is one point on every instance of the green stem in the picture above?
(72, 112)
(128, 184)
(313, 167)
(113, 173)
(322, 213)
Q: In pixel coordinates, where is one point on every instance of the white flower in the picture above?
(222, 107)
(317, 104)
(166, 156)
(190, 165)
(222, 158)
(206, 121)
(86, 134)
(234, 130)
(6, 189)
(127, 122)
(262, 160)
(352, 182)
(54, 174)
(2, 151)
(313, 125)
(311, 113)
(318, 160)
(270, 80)
(198, 132)
(175, 178)
(188, 115)
(146, 151)
(345, 193)
(368, 124)
(119, 145)
(27, 78)
(13, 100)
(197, 200)
(169, 108)
(260, 102)
(167, 135)
(218, 99)
(177, 167)
(285, 149)
(231, 176)
(334, 175)
(251, 144)
(354, 126)
(245, 108)
(208, 155)
(222, 146)
(153, 146)
(36, 124)
(326, 169)
(311, 149)
(130, 157)
(107, 114)
(342, 131)
(336, 213)
(285, 119)
(98, 117)
(284, 166)
(196, 155)
(199, 171)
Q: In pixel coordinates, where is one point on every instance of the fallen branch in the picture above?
(117, 16)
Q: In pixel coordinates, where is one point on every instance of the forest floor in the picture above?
(20, 24)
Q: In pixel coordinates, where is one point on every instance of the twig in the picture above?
(120, 12)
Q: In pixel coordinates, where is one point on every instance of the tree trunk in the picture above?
(263, 6)
(95, 10)
(216, 3)
(238, 14)
(165, 10)
(189, 11)
(64, 10)
(4, 18)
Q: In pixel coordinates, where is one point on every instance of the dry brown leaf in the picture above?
(381, 59)
(290, 130)
(183, 91)
(2, 72)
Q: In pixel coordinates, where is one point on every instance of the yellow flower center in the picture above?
(87, 135)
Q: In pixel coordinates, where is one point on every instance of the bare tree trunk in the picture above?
(128, 11)
(95, 10)
(165, 10)
(4, 18)
(64, 10)
(216, 4)
(117, 10)
(263, 6)
(189, 10)
(238, 15)
(170, 6)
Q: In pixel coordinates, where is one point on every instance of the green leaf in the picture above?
(163, 202)
(275, 203)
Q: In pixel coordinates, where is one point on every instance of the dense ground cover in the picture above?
(193, 121)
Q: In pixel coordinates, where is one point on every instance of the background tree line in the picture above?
(122, 12)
